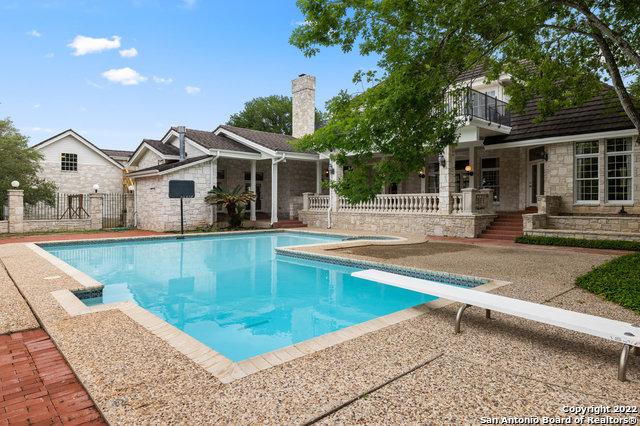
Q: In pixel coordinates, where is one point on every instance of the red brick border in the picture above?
(37, 386)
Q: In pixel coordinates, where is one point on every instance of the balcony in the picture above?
(470, 103)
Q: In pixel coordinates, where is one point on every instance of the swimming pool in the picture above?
(233, 292)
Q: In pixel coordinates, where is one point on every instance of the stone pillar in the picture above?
(549, 204)
(335, 174)
(472, 163)
(214, 183)
(16, 210)
(130, 208)
(468, 200)
(489, 207)
(303, 117)
(305, 200)
(447, 178)
(95, 210)
(319, 177)
(252, 188)
(274, 191)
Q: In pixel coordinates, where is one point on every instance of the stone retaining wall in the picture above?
(468, 226)
(56, 225)
(584, 235)
(594, 223)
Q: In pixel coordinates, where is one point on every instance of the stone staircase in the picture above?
(507, 226)
(289, 223)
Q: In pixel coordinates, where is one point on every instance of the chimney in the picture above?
(303, 91)
(181, 130)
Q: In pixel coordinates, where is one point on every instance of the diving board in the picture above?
(626, 334)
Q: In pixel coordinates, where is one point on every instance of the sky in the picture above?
(122, 70)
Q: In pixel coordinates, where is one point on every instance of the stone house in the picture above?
(571, 174)
(75, 165)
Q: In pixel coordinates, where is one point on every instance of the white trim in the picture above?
(82, 140)
(632, 160)
(270, 153)
(302, 156)
(598, 179)
(169, 171)
(225, 153)
(562, 139)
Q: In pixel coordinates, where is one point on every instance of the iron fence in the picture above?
(114, 210)
(64, 206)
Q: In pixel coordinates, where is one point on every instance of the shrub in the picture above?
(617, 280)
(576, 242)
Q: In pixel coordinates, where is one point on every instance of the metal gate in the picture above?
(113, 211)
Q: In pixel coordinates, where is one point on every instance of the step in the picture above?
(500, 232)
(506, 227)
(498, 237)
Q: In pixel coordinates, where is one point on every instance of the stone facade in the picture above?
(4, 226)
(16, 210)
(110, 178)
(148, 159)
(303, 90)
(467, 226)
(57, 225)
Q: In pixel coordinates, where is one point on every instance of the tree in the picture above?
(235, 201)
(19, 162)
(269, 114)
(556, 51)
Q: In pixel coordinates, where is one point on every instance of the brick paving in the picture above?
(4, 239)
(37, 386)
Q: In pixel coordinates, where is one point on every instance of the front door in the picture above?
(536, 181)
(247, 187)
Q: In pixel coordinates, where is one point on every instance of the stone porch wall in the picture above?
(4, 226)
(594, 223)
(392, 223)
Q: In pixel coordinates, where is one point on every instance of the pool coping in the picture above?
(217, 364)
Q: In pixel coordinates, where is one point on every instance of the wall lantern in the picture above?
(422, 173)
(15, 184)
(131, 188)
(442, 160)
(545, 155)
(468, 169)
(332, 171)
(95, 188)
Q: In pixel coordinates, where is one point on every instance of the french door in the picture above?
(536, 181)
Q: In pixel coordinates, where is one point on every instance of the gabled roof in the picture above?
(167, 167)
(210, 140)
(117, 153)
(70, 132)
(162, 148)
(272, 141)
(603, 113)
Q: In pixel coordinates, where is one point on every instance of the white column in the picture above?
(335, 176)
(447, 178)
(319, 177)
(423, 181)
(252, 188)
(214, 183)
(274, 191)
(472, 163)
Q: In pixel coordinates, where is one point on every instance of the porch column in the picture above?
(274, 191)
(447, 164)
(472, 163)
(15, 201)
(319, 177)
(252, 188)
(335, 174)
(214, 183)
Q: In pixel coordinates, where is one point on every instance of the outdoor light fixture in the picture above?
(131, 188)
(422, 173)
(545, 156)
(442, 160)
(95, 188)
(468, 169)
(326, 173)
(15, 184)
(332, 171)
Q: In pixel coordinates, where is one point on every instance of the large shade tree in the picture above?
(268, 114)
(557, 52)
(19, 162)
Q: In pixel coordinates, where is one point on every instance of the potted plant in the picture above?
(233, 201)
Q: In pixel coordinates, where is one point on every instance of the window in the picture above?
(259, 176)
(69, 162)
(490, 176)
(220, 174)
(586, 173)
(619, 181)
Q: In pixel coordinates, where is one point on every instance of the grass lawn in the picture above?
(617, 280)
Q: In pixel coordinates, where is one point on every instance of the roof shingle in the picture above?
(272, 141)
(210, 140)
(163, 148)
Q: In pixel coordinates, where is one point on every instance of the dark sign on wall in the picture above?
(182, 189)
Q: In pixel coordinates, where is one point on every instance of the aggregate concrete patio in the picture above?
(499, 367)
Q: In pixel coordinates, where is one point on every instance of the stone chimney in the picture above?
(303, 91)
(181, 130)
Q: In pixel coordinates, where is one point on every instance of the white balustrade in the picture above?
(318, 202)
(394, 203)
(456, 204)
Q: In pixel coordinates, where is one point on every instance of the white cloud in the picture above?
(129, 53)
(162, 80)
(83, 45)
(192, 90)
(34, 33)
(125, 76)
(41, 129)
(36, 106)
(189, 4)
(49, 55)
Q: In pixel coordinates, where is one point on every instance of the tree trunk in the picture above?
(616, 79)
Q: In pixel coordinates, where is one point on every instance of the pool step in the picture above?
(289, 223)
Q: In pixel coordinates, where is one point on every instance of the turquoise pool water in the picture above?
(232, 292)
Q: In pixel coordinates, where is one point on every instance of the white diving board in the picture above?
(617, 331)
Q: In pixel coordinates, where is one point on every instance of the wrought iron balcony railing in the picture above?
(471, 103)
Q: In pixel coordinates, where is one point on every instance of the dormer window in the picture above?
(68, 162)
